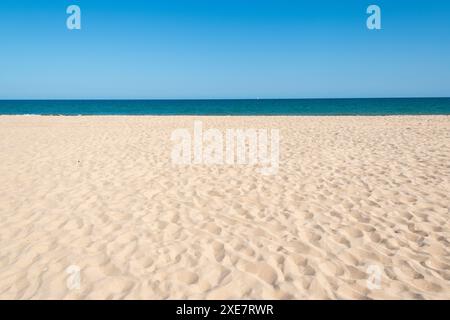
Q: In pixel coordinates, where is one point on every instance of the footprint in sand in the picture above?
(213, 228)
(187, 277)
(263, 271)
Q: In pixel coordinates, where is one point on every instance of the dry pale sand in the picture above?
(100, 194)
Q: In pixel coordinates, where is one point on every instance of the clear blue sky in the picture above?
(223, 49)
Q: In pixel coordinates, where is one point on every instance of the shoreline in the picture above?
(228, 116)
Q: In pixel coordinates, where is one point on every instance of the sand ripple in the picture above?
(353, 195)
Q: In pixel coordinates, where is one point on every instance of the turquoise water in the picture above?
(404, 106)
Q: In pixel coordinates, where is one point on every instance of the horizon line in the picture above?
(212, 99)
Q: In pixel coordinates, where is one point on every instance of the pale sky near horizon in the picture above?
(223, 49)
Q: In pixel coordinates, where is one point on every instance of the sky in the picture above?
(213, 49)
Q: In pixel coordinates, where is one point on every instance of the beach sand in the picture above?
(359, 209)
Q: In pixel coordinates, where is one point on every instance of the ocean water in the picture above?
(403, 106)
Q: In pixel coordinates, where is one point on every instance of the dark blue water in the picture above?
(410, 106)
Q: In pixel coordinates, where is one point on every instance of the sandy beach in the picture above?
(92, 207)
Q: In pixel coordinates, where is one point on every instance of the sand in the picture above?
(93, 208)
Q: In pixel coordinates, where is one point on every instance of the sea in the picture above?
(306, 107)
